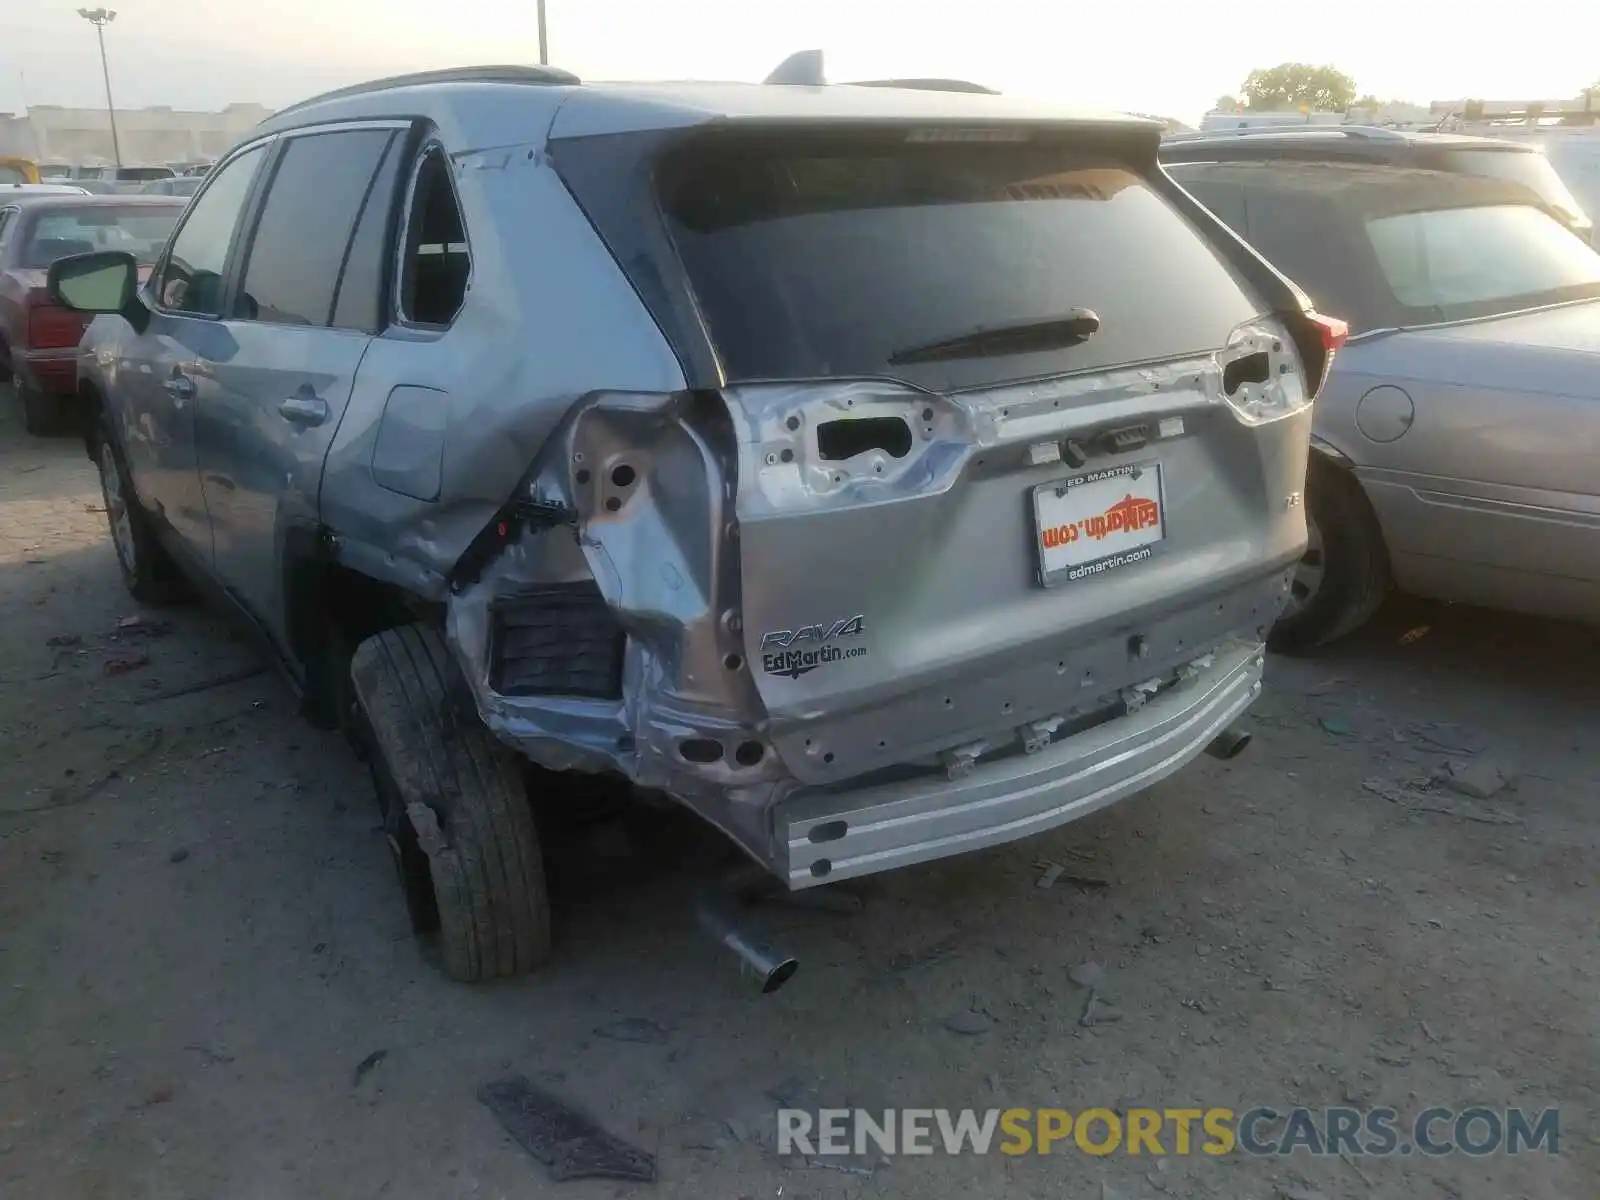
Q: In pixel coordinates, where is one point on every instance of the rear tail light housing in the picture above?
(51, 327)
(1321, 337)
(1331, 330)
(1263, 372)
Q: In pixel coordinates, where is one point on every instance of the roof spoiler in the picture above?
(805, 68)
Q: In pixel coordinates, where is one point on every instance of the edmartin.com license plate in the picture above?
(1098, 522)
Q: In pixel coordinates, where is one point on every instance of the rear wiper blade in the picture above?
(1023, 337)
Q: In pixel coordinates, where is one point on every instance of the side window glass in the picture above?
(434, 272)
(191, 280)
(311, 209)
(5, 224)
(364, 285)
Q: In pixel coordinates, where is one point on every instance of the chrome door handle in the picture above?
(308, 408)
(180, 387)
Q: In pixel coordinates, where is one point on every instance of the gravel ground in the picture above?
(208, 987)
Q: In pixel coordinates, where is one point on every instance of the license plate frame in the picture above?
(1051, 515)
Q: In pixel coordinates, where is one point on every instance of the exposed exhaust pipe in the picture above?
(1230, 743)
(717, 910)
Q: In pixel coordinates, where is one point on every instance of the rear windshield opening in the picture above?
(817, 255)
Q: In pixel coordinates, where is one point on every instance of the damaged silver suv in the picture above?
(881, 473)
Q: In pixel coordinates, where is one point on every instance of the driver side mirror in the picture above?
(105, 281)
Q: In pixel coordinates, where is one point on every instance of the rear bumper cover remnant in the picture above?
(836, 836)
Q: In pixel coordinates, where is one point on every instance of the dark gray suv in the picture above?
(1457, 154)
(882, 473)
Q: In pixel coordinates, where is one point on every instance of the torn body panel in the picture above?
(651, 510)
(458, 413)
(824, 589)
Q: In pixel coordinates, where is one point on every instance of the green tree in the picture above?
(1225, 103)
(1299, 85)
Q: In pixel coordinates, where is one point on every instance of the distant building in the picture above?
(50, 134)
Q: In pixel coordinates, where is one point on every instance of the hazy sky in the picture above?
(1170, 57)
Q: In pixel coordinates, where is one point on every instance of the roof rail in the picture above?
(805, 68)
(545, 76)
(1375, 132)
(928, 85)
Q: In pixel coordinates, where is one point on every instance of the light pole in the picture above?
(100, 18)
(544, 50)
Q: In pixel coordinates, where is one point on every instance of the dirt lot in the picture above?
(208, 987)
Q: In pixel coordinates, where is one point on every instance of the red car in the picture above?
(38, 339)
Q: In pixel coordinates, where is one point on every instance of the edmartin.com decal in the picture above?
(796, 652)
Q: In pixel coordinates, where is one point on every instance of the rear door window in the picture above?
(364, 285)
(817, 256)
(302, 240)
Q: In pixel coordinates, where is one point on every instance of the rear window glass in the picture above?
(1462, 262)
(143, 174)
(141, 232)
(1532, 170)
(814, 257)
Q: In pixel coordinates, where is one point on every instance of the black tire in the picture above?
(41, 412)
(455, 803)
(148, 571)
(1354, 564)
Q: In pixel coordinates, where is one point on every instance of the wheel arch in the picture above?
(1326, 451)
(329, 609)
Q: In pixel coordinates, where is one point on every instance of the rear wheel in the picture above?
(455, 808)
(1344, 574)
(148, 571)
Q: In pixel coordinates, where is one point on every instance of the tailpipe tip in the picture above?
(1230, 743)
(771, 968)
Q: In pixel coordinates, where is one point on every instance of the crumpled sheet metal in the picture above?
(652, 503)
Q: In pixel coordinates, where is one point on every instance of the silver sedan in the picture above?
(1459, 431)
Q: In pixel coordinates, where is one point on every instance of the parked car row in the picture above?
(880, 472)
(180, 180)
(39, 336)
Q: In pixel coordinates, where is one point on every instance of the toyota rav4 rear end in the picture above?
(983, 491)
